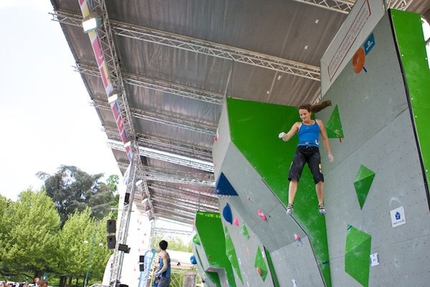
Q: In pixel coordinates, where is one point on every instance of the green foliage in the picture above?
(32, 242)
(175, 243)
(85, 239)
(74, 190)
(30, 226)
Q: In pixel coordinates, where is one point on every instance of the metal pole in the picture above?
(91, 257)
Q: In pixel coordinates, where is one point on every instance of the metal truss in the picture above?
(180, 215)
(205, 197)
(203, 47)
(173, 121)
(399, 4)
(176, 176)
(164, 119)
(342, 6)
(111, 61)
(202, 153)
(345, 6)
(183, 203)
(163, 215)
(167, 145)
(174, 204)
(158, 85)
(171, 231)
(167, 157)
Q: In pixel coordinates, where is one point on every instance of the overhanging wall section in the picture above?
(256, 164)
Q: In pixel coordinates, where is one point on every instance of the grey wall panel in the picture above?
(369, 100)
(295, 262)
(246, 249)
(378, 133)
(254, 195)
(277, 232)
(220, 146)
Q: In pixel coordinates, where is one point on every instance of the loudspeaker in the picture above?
(124, 247)
(141, 267)
(127, 198)
(111, 226)
(111, 241)
(141, 258)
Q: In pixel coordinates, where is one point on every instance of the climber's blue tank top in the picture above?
(167, 272)
(309, 135)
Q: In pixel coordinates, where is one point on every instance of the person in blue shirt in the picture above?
(164, 265)
(307, 151)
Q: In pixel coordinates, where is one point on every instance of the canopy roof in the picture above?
(176, 60)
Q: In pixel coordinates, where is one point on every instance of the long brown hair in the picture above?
(315, 108)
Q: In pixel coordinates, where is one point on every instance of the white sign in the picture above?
(398, 216)
(374, 259)
(356, 28)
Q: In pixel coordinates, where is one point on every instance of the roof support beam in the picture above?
(209, 198)
(342, 6)
(158, 85)
(164, 119)
(399, 4)
(168, 157)
(171, 231)
(345, 6)
(167, 145)
(174, 214)
(203, 47)
(179, 204)
(174, 176)
(184, 203)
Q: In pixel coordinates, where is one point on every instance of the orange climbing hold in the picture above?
(358, 60)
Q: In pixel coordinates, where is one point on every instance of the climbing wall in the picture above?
(251, 167)
(377, 224)
(210, 249)
(378, 221)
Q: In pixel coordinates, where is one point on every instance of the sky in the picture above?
(45, 113)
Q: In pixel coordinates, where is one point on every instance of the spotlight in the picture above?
(113, 96)
(91, 23)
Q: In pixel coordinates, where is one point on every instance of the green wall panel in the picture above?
(210, 230)
(271, 268)
(411, 45)
(231, 254)
(254, 129)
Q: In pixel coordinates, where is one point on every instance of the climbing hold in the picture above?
(298, 239)
(236, 222)
(261, 215)
(358, 60)
(244, 231)
(196, 239)
(226, 213)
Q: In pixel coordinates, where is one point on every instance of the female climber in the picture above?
(308, 152)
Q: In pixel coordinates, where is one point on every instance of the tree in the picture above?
(175, 243)
(73, 190)
(29, 238)
(81, 248)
